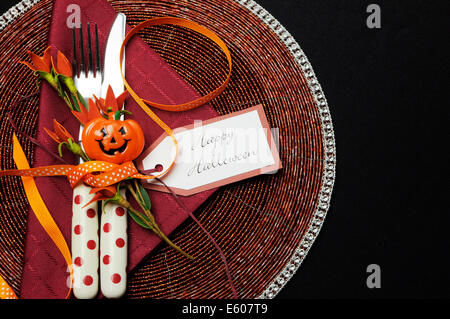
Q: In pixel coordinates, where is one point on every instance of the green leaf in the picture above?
(58, 85)
(83, 101)
(74, 103)
(138, 220)
(66, 98)
(144, 195)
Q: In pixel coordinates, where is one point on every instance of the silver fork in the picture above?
(87, 83)
(85, 243)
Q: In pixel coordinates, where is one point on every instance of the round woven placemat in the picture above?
(265, 225)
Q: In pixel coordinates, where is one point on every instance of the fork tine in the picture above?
(82, 62)
(74, 50)
(97, 53)
(91, 63)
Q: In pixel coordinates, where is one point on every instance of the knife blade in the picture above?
(113, 232)
(111, 66)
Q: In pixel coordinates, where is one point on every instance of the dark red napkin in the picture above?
(44, 272)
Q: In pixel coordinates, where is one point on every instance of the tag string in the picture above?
(144, 104)
(210, 237)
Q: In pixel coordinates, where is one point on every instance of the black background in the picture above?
(387, 91)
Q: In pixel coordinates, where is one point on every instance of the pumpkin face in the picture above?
(113, 141)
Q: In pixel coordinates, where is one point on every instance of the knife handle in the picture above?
(113, 250)
(84, 243)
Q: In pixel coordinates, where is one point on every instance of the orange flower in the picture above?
(111, 103)
(87, 115)
(39, 63)
(102, 193)
(62, 65)
(59, 134)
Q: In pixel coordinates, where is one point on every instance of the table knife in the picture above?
(113, 231)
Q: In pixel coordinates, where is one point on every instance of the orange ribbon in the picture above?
(99, 173)
(6, 291)
(40, 210)
(112, 173)
(194, 27)
(178, 107)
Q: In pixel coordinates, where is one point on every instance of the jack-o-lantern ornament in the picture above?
(110, 139)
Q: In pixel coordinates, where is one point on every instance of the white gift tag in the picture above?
(213, 153)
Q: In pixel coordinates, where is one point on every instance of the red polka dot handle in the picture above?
(113, 251)
(84, 243)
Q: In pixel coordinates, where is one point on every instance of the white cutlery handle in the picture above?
(113, 251)
(84, 243)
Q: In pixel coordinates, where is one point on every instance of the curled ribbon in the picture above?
(144, 104)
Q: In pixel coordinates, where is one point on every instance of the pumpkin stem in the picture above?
(118, 113)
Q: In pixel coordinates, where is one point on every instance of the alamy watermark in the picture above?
(374, 278)
(373, 21)
(74, 18)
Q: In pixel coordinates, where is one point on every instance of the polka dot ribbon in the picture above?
(92, 173)
(5, 290)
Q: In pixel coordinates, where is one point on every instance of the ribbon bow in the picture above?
(110, 173)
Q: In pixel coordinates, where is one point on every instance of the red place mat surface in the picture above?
(266, 224)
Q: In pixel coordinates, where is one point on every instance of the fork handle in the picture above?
(84, 243)
(113, 250)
